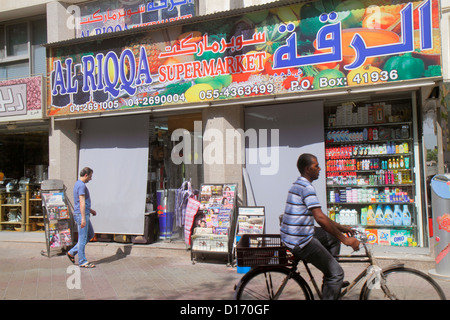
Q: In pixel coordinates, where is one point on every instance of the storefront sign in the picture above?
(21, 99)
(309, 46)
(100, 17)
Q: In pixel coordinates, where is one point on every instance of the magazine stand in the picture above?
(58, 219)
(250, 220)
(214, 223)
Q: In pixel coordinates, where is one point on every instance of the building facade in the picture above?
(152, 94)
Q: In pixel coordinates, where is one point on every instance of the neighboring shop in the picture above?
(23, 153)
(24, 126)
(345, 81)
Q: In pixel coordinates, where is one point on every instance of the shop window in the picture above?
(2, 42)
(164, 173)
(20, 152)
(16, 39)
(21, 53)
(14, 70)
(39, 37)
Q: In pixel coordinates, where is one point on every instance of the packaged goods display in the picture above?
(370, 170)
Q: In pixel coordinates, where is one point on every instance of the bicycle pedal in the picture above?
(345, 284)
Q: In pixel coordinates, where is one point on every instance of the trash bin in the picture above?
(440, 203)
(150, 229)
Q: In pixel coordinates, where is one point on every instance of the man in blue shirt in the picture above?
(307, 242)
(81, 215)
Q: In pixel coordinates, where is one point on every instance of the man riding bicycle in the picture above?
(305, 241)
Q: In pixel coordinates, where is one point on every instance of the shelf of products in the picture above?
(370, 171)
(21, 210)
(35, 215)
(12, 210)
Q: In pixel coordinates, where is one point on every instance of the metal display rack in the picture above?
(58, 219)
(214, 223)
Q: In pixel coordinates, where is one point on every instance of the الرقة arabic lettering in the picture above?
(329, 41)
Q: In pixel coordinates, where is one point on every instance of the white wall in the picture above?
(301, 130)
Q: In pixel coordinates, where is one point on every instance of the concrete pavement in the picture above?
(160, 271)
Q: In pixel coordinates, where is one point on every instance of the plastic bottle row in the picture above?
(368, 134)
(347, 178)
(368, 195)
(382, 216)
(367, 164)
(348, 151)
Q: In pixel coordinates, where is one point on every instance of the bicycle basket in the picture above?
(255, 250)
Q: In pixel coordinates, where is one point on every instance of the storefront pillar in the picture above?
(63, 153)
(222, 165)
(61, 21)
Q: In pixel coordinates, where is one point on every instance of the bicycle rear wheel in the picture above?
(264, 284)
(405, 284)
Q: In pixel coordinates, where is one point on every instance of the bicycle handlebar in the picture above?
(361, 236)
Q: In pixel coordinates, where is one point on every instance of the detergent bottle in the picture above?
(388, 216)
(363, 216)
(398, 216)
(370, 217)
(379, 216)
(354, 215)
(406, 216)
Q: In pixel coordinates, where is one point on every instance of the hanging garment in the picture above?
(182, 196)
(191, 210)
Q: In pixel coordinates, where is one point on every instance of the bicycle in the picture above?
(274, 275)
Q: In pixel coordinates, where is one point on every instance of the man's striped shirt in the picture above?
(297, 226)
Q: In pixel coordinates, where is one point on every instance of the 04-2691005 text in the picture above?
(94, 106)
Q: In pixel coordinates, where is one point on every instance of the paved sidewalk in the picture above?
(124, 272)
(157, 274)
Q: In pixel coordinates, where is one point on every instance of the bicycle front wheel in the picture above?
(404, 284)
(267, 284)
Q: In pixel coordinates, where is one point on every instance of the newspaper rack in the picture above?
(58, 219)
(214, 223)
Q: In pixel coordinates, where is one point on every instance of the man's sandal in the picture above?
(71, 258)
(87, 265)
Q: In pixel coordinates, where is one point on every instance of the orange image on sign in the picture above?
(444, 222)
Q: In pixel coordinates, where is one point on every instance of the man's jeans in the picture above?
(319, 252)
(84, 236)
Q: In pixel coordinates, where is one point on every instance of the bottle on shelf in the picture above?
(405, 147)
(388, 216)
(363, 216)
(370, 217)
(379, 216)
(354, 215)
(398, 215)
(406, 216)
